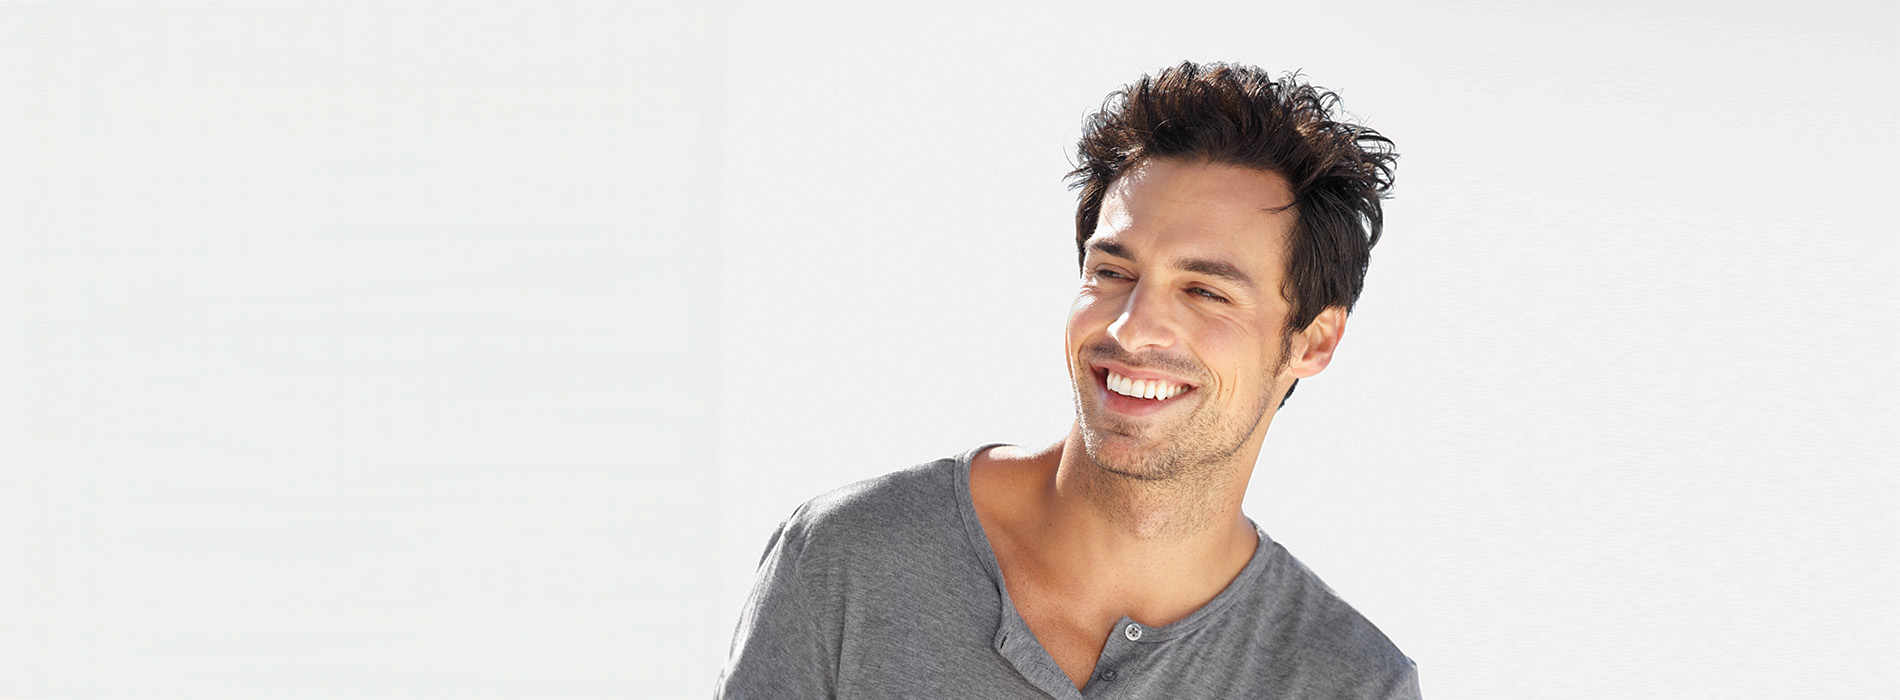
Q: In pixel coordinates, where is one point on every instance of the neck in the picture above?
(1196, 513)
(1152, 550)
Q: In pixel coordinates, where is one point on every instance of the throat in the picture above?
(1163, 511)
(1079, 555)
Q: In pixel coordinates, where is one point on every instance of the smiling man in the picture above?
(1224, 227)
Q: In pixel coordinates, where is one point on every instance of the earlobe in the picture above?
(1321, 339)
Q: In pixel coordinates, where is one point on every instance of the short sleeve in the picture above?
(1405, 686)
(780, 649)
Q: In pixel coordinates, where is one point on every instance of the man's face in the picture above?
(1175, 341)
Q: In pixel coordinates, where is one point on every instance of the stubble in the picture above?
(1141, 469)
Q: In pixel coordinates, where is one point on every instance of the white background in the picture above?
(360, 351)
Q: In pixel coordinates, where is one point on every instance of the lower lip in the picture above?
(1129, 405)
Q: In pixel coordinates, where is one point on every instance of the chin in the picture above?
(1133, 457)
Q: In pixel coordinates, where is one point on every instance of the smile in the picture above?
(1156, 389)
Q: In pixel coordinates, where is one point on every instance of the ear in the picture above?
(1312, 348)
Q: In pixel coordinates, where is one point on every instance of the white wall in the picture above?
(356, 351)
(364, 352)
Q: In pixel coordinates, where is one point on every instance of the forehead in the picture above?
(1169, 207)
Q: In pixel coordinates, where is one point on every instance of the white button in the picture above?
(1133, 631)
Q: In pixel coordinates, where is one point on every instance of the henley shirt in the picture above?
(888, 588)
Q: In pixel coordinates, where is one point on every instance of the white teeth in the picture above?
(1143, 388)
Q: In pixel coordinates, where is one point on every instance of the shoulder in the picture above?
(894, 510)
(892, 499)
(1338, 649)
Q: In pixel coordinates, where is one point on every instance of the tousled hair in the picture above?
(1238, 115)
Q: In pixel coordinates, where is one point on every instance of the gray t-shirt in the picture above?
(888, 588)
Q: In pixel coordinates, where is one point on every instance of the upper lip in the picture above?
(1132, 373)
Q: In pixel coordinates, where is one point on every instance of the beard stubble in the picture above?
(1187, 454)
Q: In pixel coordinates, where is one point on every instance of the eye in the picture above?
(1111, 274)
(1203, 291)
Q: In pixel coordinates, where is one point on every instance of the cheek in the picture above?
(1086, 301)
(1229, 349)
(1084, 315)
(1079, 328)
(1223, 336)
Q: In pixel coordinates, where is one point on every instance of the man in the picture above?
(1223, 230)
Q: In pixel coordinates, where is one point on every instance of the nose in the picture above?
(1144, 322)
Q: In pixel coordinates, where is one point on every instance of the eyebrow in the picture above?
(1212, 268)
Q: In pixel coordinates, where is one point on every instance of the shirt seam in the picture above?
(801, 595)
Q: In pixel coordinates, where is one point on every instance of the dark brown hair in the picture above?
(1238, 115)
